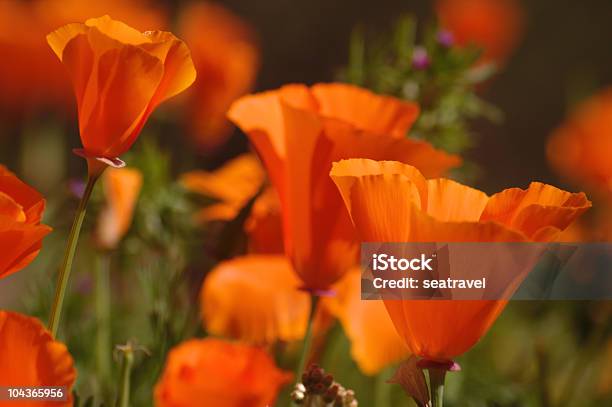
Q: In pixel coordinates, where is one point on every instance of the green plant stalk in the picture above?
(307, 338)
(103, 346)
(64, 271)
(382, 389)
(436, 382)
(123, 399)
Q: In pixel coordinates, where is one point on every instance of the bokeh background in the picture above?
(563, 56)
(538, 354)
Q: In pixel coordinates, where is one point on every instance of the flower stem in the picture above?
(307, 338)
(382, 389)
(123, 399)
(436, 382)
(103, 347)
(64, 272)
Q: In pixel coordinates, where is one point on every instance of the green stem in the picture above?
(382, 389)
(307, 338)
(64, 271)
(436, 382)
(103, 347)
(123, 400)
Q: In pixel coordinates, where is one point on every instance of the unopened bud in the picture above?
(318, 388)
(328, 380)
(316, 375)
(330, 394)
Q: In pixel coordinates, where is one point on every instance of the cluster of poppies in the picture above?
(342, 168)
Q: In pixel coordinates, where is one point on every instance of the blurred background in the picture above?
(563, 56)
(538, 354)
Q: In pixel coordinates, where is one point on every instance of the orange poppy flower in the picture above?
(255, 298)
(233, 185)
(33, 78)
(227, 58)
(21, 232)
(120, 76)
(494, 25)
(393, 202)
(121, 189)
(580, 148)
(298, 132)
(375, 344)
(31, 357)
(264, 227)
(212, 372)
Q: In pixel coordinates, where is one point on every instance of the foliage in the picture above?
(443, 79)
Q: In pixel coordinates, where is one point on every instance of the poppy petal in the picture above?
(255, 298)
(234, 184)
(441, 330)
(451, 201)
(372, 348)
(386, 206)
(20, 243)
(119, 77)
(540, 210)
(380, 197)
(118, 30)
(179, 71)
(59, 38)
(28, 198)
(21, 233)
(212, 372)
(298, 144)
(366, 110)
(11, 209)
(128, 74)
(581, 147)
(260, 116)
(121, 188)
(226, 54)
(264, 226)
(31, 357)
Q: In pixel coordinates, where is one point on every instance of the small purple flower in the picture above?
(420, 59)
(76, 187)
(445, 38)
